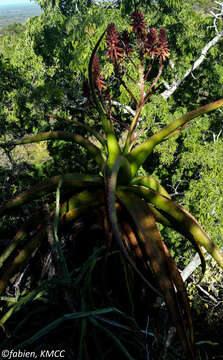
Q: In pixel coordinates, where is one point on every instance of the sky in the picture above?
(14, 2)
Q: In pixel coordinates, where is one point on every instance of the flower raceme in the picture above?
(163, 50)
(151, 43)
(125, 43)
(157, 45)
(122, 49)
(119, 44)
(98, 79)
(138, 25)
(115, 52)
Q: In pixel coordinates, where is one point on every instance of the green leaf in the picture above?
(69, 181)
(76, 206)
(183, 220)
(151, 183)
(163, 266)
(111, 184)
(112, 143)
(141, 152)
(113, 338)
(73, 316)
(83, 125)
(60, 135)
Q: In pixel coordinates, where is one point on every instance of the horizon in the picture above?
(17, 11)
(17, 2)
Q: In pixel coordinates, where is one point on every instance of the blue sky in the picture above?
(12, 2)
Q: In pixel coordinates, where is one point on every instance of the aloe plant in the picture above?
(117, 186)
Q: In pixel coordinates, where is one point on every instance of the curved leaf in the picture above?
(66, 210)
(70, 180)
(21, 235)
(72, 316)
(140, 153)
(111, 336)
(131, 239)
(150, 182)
(182, 219)
(112, 143)
(78, 205)
(163, 266)
(61, 135)
(162, 219)
(83, 125)
(111, 184)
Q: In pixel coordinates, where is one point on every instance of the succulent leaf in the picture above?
(111, 184)
(61, 135)
(183, 220)
(70, 180)
(163, 265)
(151, 183)
(141, 152)
(167, 221)
(76, 206)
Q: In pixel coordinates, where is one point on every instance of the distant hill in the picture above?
(17, 13)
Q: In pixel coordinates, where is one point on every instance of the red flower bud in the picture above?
(157, 45)
(125, 43)
(114, 51)
(98, 79)
(151, 43)
(163, 50)
(138, 25)
(96, 67)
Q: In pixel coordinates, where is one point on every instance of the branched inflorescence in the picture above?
(125, 47)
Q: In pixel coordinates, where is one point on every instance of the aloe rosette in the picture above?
(118, 186)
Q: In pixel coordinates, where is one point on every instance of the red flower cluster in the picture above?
(114, 50)
(119, 46)
(138, 25)
(125, 43)
(163, 50)
(151, 43)
(98, 79)
(157, 45)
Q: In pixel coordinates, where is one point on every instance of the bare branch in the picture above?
(193, 265)
(176, 83)
(217, 13)
(126, 108)
(207, 294)
(217, 16)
